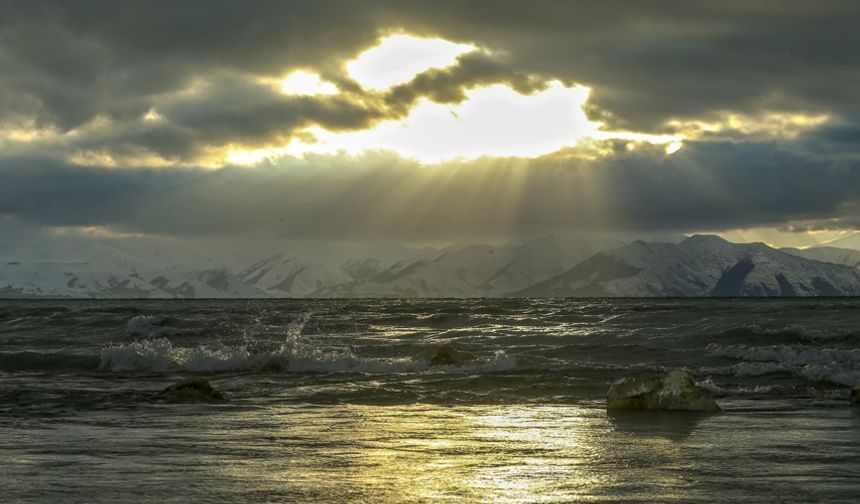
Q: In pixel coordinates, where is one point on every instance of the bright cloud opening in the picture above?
(399, 58)
(673, 147)
(305, 83)
(493, 121)
(152, 115)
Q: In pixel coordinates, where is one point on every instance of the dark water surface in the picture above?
(346, 409)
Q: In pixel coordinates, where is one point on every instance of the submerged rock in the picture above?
(271, 366)
(446, 355)
(197, 389)
(674, 391)
(855, 395)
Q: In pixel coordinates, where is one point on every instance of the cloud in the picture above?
(705, 186)
(67, 64)
(651, 62)
(770, 86)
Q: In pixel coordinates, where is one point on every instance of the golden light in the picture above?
(493, 121)
(773, 124)
(304, 83)
(777, 237)
(241, 156)
(673, 147)
(399, 58)
(520, 453)
(152, 115)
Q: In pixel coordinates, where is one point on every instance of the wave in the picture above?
(46, 361)
(834, 365)
(150, 326)
(294, 354)
(759, 332)
(709, 385)
(787, 354)
(784, 334)
(810, 372)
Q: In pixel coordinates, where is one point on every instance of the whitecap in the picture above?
(294, 354)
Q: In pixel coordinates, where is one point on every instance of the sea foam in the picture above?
(835, 365)
(294, 354)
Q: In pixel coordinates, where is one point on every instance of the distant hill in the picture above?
(835, 255)
(699, 266)
(850, 242)
(472, 271)
(90, 280)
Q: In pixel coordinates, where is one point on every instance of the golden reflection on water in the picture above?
(426, 453)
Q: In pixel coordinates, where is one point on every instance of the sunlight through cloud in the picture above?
(399, 58)
(304, 83)
(493, 121)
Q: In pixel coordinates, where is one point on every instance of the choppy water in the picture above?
(356, 415)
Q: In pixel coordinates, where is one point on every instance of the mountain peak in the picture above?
(704, 238)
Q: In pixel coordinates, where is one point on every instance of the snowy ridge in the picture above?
(472, 271)
(284, 276)
(835, 255)
(85, 280)
(700, 266)
(546, 267)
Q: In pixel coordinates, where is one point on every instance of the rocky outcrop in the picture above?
(446, 355)
(855, 395)
(673, 391)
(197, 389)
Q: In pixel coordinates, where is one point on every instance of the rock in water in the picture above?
(446, 355)
(197, 389)
(271, 366)
(855, 395)
(675, 391)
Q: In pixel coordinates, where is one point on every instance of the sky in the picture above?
(430, 121)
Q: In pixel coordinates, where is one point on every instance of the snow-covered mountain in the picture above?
(835, 255)
(89, 280)
(699, 266)
(285, 276)
(472, 270)
(109, 268)
(422, 278)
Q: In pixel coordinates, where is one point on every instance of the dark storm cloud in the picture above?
(650, 61)
(63, 64)
(711, 186)
(646, 61)
(842, 134)
(233, 109)
(54, 193)
(448, 85)
(102, 57)
(237, 109)
(724, 185)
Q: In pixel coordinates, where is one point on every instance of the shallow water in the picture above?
(353, 415)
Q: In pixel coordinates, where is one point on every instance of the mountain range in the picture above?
(700, 265)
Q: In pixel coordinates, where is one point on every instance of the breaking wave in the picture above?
(787, 354)
(293, 355)
(834, 365)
